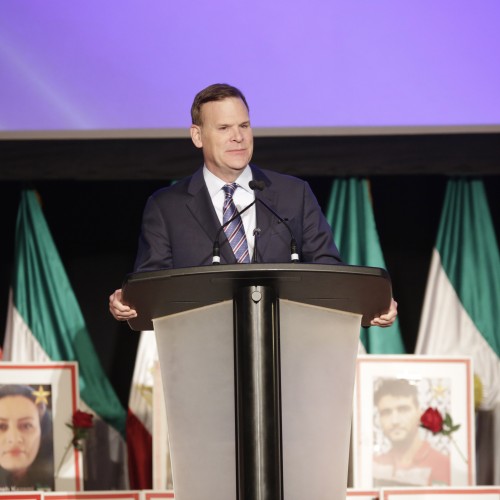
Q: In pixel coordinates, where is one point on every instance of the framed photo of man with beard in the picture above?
(413, 422)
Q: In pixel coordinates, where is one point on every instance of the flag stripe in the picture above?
(23, 346)
(140, 414)
(140, 456)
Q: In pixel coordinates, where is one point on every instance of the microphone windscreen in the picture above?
(257, 185)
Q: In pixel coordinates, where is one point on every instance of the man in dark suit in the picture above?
(181, 222)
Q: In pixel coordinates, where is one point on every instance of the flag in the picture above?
(45, 323)
(461, 311)
(140, 414)
(350, 215)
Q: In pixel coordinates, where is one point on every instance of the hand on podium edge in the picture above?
(388, 318)
(118, 309)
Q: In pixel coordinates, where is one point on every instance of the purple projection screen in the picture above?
(130, 68)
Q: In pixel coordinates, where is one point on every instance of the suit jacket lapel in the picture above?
(265, 219)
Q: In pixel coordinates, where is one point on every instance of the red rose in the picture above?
(82, 419)
(432, 420)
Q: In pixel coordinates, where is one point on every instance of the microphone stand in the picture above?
(259, 186)
(294, 255)
(256, 234)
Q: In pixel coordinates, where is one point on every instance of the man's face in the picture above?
(225, 136)
(20, 433)
(399, 418)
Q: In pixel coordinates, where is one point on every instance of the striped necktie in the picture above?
(235, 231)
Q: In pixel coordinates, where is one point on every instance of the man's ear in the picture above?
(195, 131)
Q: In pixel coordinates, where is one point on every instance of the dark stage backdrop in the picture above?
(95, 226)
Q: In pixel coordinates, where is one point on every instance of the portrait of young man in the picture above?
(410, 460)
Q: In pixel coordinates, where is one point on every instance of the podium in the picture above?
(258, 364)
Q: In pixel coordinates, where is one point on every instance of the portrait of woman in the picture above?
(26, 438)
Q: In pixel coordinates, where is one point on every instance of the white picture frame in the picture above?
(445, 383)
(56, 387)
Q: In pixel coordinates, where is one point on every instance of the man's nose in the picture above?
(394, 417)
(237, 135)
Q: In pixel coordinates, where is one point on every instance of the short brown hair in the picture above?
(397, 387)
(215, 92)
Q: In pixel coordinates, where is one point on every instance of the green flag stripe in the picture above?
(45, 300)
(350, 214)
(469, 254)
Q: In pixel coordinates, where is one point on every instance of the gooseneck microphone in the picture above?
(259, 186)
(216, 247)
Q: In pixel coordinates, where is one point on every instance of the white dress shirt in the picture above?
(242, 197)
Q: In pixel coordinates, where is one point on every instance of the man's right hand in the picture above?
(118, 309)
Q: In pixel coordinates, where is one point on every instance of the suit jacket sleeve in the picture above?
(154, 249)
(317, 239)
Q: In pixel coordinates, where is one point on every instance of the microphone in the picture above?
(259, 186)
(216, 247)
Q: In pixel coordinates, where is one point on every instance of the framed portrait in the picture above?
(95, 495)
(413, 422)
(468, 493)
(362, 494)
(37, 400)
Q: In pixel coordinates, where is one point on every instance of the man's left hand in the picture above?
(388, 318)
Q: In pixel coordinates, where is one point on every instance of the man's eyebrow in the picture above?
(222, 124)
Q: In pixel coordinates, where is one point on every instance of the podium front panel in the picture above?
(196, 355)
(318, 358)
(318, 353)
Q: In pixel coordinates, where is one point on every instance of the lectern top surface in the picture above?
(361, 290)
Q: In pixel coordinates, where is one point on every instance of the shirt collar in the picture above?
(214, 183)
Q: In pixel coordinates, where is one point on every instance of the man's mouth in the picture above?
(397, 429)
